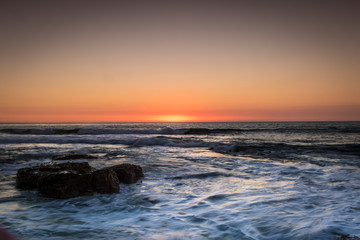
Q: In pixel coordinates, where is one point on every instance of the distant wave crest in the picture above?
(169, 130)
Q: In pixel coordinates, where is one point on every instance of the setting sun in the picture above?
(173, 118)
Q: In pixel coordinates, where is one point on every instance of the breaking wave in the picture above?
(202, 175)
(231, 129)
(85, 131)
(269, 150)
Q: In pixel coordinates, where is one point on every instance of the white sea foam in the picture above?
(228, 185)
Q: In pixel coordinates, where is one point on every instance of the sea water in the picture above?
(238, 180)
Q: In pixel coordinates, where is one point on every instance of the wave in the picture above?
(281, 148)
(347, 154)
(152, 129)
(235, 147)
(202, 175)
(86, 131)
(39, 131)
(204, 131)
(269, 150)
(129, 141)
(101, 131)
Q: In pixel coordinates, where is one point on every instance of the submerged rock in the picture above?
(73, 157)
(66, 180)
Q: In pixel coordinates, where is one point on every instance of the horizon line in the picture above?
(239, 121)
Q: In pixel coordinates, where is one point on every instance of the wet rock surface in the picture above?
(66, 184)
(72, 179)
(128, 173)
(105, 181)
(32, 177)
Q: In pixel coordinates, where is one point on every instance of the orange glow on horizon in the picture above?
(274, 115)
(180, 63)
(173, 118)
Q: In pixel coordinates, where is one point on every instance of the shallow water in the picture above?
(202, 181)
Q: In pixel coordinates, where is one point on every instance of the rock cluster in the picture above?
(72, 179)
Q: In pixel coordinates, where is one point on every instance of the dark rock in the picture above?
(62, 180)
(66, 180)
(78, 167)
(31, 177)
(66, 184)
(105, 181)
(73, 157)
(28, 178)
(128, 173)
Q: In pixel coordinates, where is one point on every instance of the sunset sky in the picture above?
(91, 61)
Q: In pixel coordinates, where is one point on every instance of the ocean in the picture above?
(225, 180)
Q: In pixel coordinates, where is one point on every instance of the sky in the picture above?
(89, 61)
